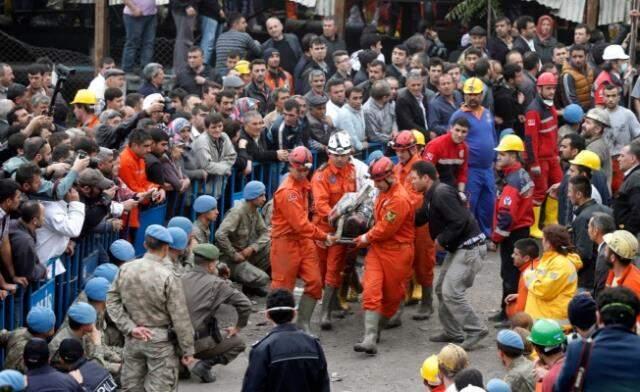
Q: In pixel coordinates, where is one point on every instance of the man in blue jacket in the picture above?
(612, 353)
(287, 359)
(481, 184)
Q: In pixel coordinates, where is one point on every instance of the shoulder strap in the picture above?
(585, 356)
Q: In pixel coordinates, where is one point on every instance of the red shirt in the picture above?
(450, 159)
(541, 132)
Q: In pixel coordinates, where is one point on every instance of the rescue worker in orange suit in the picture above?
(293, 252)
(541, 140)
(424, 260)
(390, 255)
(450, 154)
(513, 213)
(328, 184)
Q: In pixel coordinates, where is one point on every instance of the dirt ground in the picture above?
(400, 353)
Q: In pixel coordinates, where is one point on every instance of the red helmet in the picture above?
(300, 157)
(547, 79)
(380, 168)
(404, 141)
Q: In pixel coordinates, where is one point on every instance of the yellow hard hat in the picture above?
(85, 97)
(473, 86)
(429, 370)
(588, 159)
(243, 67)
(622, 243)
(419, 137)
(510, 143)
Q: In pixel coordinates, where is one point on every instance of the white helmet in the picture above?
(339, 144)
(614, 52)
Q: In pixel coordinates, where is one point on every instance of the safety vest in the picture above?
(583, 83)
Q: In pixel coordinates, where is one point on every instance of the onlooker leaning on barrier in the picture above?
(214, 151)
(22, 234)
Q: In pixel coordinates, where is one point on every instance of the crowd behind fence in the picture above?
(59, 292)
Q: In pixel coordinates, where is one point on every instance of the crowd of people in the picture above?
(517, 144)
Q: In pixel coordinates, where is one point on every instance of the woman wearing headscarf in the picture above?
(545, 40)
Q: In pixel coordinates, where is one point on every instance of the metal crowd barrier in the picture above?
(59, 292)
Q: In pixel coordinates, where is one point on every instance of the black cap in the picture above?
(71, 350)
(15, 90)
(36, 353)
(316, 100)
(477, 30)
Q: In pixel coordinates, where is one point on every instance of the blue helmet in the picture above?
(573, 114)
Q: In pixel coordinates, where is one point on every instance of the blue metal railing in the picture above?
(59, 292)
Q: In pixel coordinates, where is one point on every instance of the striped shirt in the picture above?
(238, 40)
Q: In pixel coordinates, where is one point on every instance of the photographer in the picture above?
(96, 193)
(29, 176)
(113, 137)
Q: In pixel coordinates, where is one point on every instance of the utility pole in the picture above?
(338, 15)
(592, 14)
(101, 33)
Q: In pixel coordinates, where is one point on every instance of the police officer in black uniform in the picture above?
(94, 377)
(287, 359)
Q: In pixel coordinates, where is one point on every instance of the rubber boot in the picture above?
(426, 305)
(327, 298)
(396, 320)
(202, 370)
(535, 231)
(382, 324)
(305, 311)
(368, 344)
(416, 294)
(551, 211)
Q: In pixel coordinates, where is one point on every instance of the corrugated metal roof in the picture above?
(610, 11)
(613, 11)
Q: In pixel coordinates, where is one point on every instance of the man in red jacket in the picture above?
(513, 213)
(450, 154)
(541, 136)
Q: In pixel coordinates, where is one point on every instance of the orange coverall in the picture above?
(518, 305)
(425, 249)
(328, 185)
(388, 262)
(133, 173)
(293, 251)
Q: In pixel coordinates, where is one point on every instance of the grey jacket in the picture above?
(216, 158)
(241, 227)
(291, 39)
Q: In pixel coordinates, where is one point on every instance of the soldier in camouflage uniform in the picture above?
(186, 259)
(244, 240)
(177, 251)
(81, 326)
(206, 209)
(146, 301)
(95, 294)
(111, 335)
(205, 292)
(41, 323)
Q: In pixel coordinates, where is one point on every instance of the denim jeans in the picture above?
(140, 36)
(209, 27)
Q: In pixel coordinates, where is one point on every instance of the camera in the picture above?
(64, 72)
(93, 162)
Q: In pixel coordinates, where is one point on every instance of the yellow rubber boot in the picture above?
(535, 231)
(416, 294)
(551, 211)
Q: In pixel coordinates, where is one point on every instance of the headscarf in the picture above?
(539, 27)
